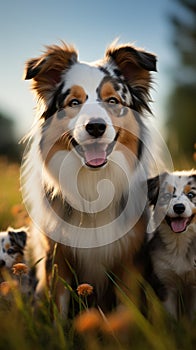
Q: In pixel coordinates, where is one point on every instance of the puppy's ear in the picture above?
(154, 185)
(18, 237)
(135, 66)
(153, 189)
(46, 70)
(193, 175)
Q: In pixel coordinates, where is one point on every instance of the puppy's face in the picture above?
(87, 107)
(174, 198)
(12, 244)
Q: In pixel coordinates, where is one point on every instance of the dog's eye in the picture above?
(165, 197)
(191, 195)
(112, 101)
(10, 251)
(74, 102)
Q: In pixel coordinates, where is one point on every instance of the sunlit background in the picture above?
(164, 27)
(26, 26)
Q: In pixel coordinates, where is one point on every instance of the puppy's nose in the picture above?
(2, 263)
(179, 208)
(96, 127)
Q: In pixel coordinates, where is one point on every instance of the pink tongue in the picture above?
(179, 225)
(95, 157)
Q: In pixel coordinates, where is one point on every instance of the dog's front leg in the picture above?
(62, 298)
(191, 302)
(64, 277)
(171, 301)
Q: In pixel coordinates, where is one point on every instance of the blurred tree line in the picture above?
(9, 146)
(181, 122)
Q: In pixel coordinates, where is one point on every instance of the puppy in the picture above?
(13, 250)
(12, 246)
(89, 152)
(173, 246)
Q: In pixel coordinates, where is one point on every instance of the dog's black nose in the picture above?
(2, 263)
(96, 127)
(179, 208)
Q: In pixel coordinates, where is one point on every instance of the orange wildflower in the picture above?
(89, 320)
(19, 269)
(117, 321)
(6, 287)
(85, 289)
(17, 209)
(20, 215)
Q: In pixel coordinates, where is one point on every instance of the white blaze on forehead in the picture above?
(89, 112)
(86, 76)
(5, 237)
(177, 181)
(89, 78)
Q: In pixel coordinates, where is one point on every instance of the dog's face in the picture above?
(174, 198)
(87, 107)
(12, 244)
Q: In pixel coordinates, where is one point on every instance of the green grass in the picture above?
(24, 326)
(12, 212)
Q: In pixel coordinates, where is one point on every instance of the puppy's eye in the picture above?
(165, 197)
(112, 101)
(10, 251)
(191, 195)
(74, 102)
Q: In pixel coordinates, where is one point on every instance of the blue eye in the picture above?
(191, 195)
(10, 251)
(165, 197)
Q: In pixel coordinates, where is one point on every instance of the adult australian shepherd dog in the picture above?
(88, 152)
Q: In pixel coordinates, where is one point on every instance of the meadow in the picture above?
(24, 326)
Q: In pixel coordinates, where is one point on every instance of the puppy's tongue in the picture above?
(95, 155)
(179, 224)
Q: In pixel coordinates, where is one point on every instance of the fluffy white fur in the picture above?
(173, 247)
(97, 215)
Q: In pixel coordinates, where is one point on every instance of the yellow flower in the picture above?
(89, 320)
(20, 269)
(85, 289)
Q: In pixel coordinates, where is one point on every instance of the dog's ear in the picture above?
(135, 66)
(18, 237)
(153, 189)
(46, 70)
(154, 185)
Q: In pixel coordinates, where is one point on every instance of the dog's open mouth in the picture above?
(179, 224)
(94, 154)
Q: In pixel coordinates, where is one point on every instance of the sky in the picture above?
(26, 26)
